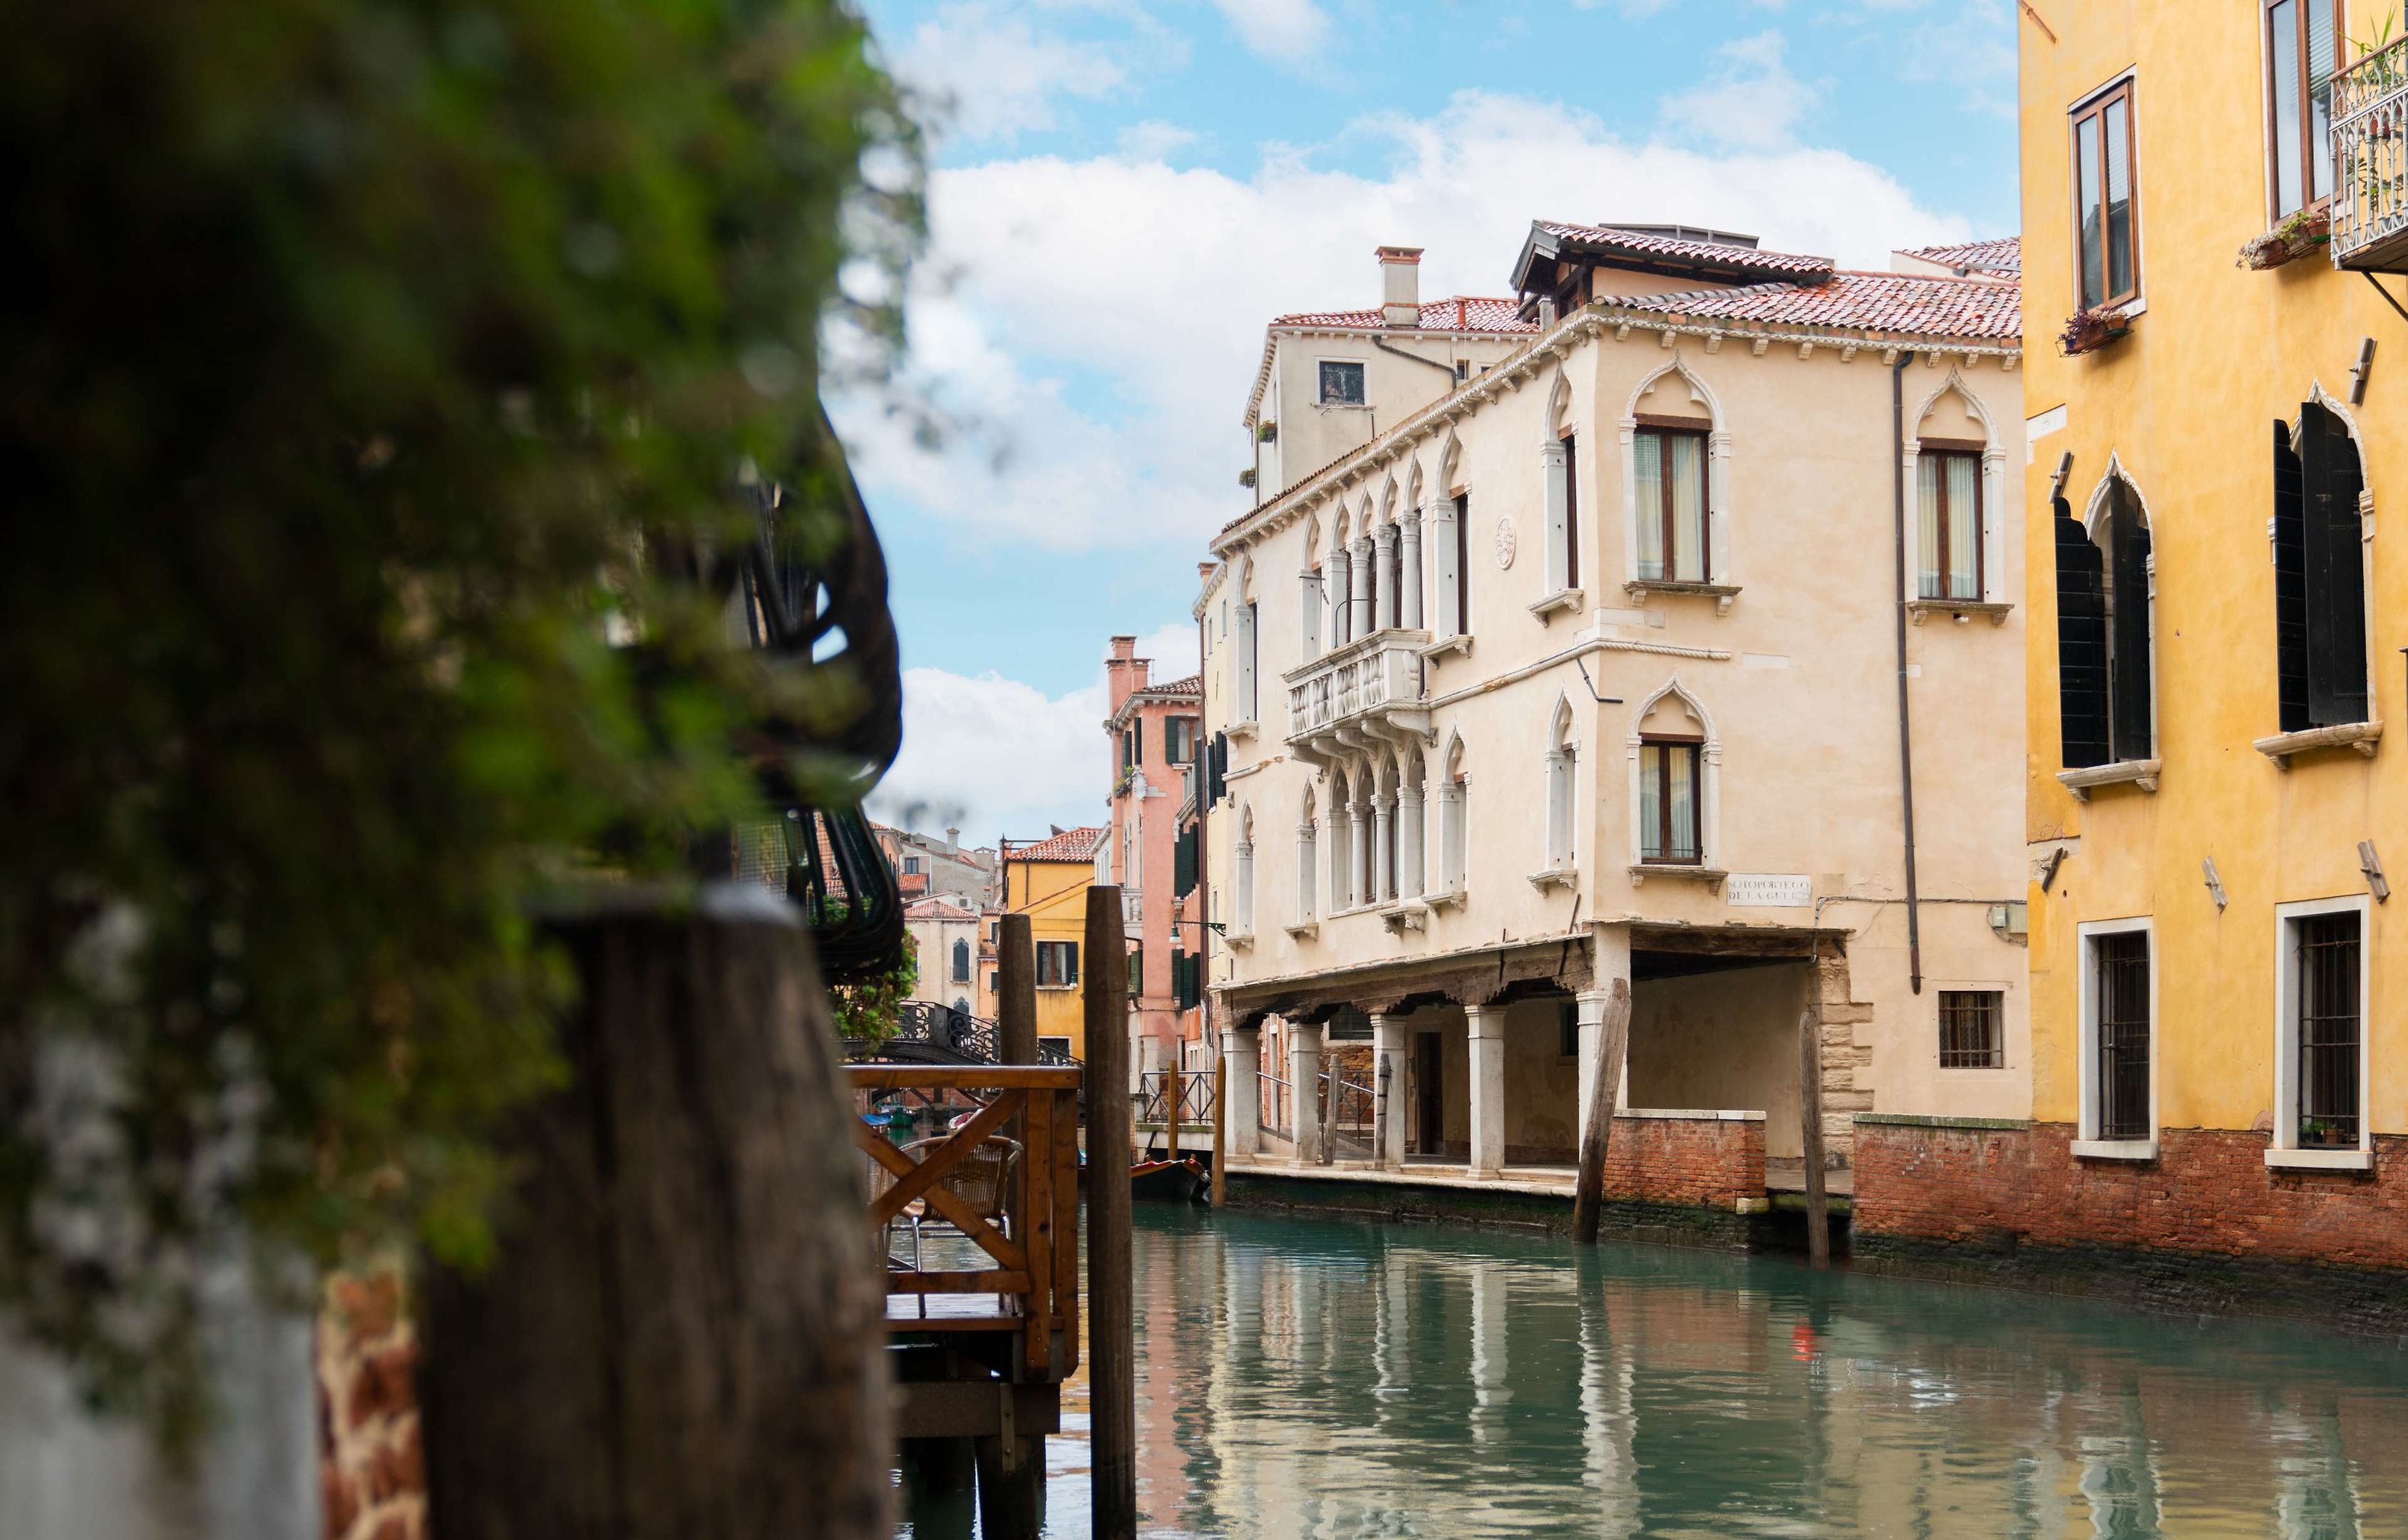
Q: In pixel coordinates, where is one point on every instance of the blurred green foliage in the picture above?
(866, 1009)
(366, 367)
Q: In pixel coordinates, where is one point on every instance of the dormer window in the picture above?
(1341, 383)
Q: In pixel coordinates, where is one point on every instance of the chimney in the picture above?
(1125, 673)
(1400, 285)
(953, 838)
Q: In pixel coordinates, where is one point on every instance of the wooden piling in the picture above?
(1220, 1126)
(1010, 1487)
(1015, 1006)
(1111, 1387)
(1605, 1093)
(1810, 1119)
(1327, 1134)
(1170, 1099)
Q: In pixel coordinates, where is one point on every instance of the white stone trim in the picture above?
(2087, 1144)
(2287, 999)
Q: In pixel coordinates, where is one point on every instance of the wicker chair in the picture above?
(980, 1179)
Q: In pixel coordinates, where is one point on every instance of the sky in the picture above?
(1123, 193)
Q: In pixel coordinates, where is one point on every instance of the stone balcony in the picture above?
(1358, 697)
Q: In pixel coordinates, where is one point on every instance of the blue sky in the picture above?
(1125, 191)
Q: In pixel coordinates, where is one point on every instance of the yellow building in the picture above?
(2215, 633)
(1046, 880)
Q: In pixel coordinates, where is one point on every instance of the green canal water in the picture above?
(1297, 1378)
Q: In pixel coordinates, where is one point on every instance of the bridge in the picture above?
(929, 1033)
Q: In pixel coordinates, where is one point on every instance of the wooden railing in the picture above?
(1030, 1285)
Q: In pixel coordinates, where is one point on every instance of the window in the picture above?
(911, 865)
(961, 962)
(2107, 251)
(1559, 797)
(2104, 633)
(994, 981)
(1245, 667)
(1571, 513)
(2300, 60)
(1561, 468)
(1057, 964)
(1137, 970)
(2321, 1081)
(2120, 1032)
(1179, 741)
(1668, 824)
(1058, 1047)
(1132, 857)
(1948, 488)
(1463, 565)
(2319, 574)
(1973, 1030)
(1341, 383)
(1671, 467)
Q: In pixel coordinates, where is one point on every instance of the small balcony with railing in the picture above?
(1357, 697)
(2370, 152)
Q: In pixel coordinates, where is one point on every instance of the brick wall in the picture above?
(2209, 1191)
(1710, 1162)
(371, 1471)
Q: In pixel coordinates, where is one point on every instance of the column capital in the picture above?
(1408, 516)
(1486, 1020)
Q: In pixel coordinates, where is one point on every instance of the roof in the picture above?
(938, 909)
(1193, 684)
(911, 883)
(1706, 258)
(1071, 844)
(1899, 303)
(1455, 313)
(2000, 255)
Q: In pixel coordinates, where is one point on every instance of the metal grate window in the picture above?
(1972, 1032)
(2122, 983)
(2329, 1028)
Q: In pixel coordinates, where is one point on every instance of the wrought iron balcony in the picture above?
(1366, 692)
(2369, 149)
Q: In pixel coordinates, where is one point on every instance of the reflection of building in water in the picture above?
(1328, 1380)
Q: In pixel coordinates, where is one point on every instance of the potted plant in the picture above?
(2091, 330)
(2296, 237)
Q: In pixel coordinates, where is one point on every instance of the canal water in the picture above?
(1297, 1378)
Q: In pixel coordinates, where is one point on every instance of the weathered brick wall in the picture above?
(371, 1471)
(2209, 1191)
(1710, 1162)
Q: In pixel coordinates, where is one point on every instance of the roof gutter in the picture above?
(1386, 346)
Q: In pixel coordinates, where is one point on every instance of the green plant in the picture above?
(370, 364)
(868, 1009)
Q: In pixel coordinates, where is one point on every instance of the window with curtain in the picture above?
(1670, 466)
(1057, 964)
(1948, 549)
(2107, 256)
(1670, 828)
(2300, 57)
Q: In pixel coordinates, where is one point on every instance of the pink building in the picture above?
(1155, 731)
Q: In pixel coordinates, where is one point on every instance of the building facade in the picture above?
(1597, 667)
(1154, 731)
(1046, 880)
(954, 955)
(927, 867)
(2219, 1064)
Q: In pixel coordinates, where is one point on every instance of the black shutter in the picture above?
(2127, 687)
(2290, 587)
(2081, 645)
(1182, 863)
(1216, 769)
(2336, 582)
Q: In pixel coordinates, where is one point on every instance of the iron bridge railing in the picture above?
(931, 1033)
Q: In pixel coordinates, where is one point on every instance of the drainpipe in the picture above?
(1905, 722)
(1203, 865)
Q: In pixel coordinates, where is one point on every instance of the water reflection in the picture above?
(1297, 1379)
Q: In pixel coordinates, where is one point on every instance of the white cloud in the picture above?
(993, 756)
(1286, 30)
(1173, 650)
(1751, 101)
(993, 76)
(1102, 319)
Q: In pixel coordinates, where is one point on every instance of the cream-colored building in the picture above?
(1596, 665)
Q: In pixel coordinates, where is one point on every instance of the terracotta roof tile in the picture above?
(1746, 259)
(1899, 303)
(1071, 844)
(2001, 254)
(937, 908)
(1191, 684)
(1458, 313)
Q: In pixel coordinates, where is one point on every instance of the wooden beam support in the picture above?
(1605, 1090)
(1810, 1119)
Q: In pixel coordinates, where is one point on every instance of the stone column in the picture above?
(1358, 853)
(1383, 829)
(1383, 592)
(1242, 1125)
(1409, 532)
(1358, 590)
(1304, 1089)
(1408, 849)
(1486, 1027)
(1340, 604)
(1389, 1043)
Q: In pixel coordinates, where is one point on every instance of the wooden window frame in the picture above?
(2093, 109)
(2309, 200)
(1665, 428)
(1065, 955)
(1953, 451)
(1664, 842)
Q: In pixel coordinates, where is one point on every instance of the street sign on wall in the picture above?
(1768, 890)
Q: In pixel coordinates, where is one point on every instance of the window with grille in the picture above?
(1670, 824)
(1341, 383)
(1948, 546)
(1057, 963)
(1972, 1029)
(2107, 248)
(1670, 468)
(2326, 1027)
(2120, 982)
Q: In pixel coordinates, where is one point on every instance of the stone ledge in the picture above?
(1922, 1120)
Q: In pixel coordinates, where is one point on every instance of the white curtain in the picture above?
(1964, 528)
(1647, 453)
(1928, 522)
(1687, 469)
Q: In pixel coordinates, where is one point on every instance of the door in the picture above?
(1429, 1104)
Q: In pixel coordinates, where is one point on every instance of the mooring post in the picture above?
(1605, 1091)
(1810, 1121)
(1171, 1081)
(1012, 1467)
(1220, 1118)
(1015, 1006)
(1112, 1389)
